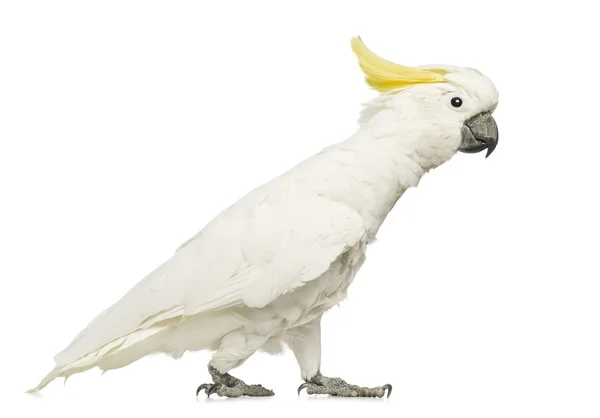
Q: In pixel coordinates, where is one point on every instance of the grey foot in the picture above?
(231, 387)
(321, 385)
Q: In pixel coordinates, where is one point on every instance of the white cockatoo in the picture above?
(265, 270)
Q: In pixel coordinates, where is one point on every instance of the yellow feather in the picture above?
(383, 75)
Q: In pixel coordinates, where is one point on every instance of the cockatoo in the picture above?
(261, 275)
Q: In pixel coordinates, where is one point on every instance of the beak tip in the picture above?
(490, 150)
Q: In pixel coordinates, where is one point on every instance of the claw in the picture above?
(202, 387)
(389, 389)
(212, 390)
(302, 386)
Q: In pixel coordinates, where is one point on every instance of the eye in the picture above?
(456, 102)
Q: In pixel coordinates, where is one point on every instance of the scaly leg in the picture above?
(228, 386)
(234, 350)
(306, 345)
(322, 385)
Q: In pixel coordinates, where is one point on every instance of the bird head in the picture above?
(441, 109)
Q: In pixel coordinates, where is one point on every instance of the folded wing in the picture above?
(266, 245)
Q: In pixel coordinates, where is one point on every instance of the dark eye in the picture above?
(456, 102)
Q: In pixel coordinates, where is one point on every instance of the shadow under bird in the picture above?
(261, 274)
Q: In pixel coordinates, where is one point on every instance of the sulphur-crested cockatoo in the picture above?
(264, 271)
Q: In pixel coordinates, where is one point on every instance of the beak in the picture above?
(479, 133)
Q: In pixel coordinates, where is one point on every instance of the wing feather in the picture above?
(292, 241)
(266, 245)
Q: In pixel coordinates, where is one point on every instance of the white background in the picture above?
(126, 126)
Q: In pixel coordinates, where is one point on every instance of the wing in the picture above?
(266, 245)
(293, 240)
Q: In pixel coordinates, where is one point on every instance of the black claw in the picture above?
(389, 389)
(202, 387)
(302, 386)
(212, 390)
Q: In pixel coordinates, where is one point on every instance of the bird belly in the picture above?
(310, 301)
(272, 322)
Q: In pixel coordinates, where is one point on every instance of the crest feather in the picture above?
(383, 75)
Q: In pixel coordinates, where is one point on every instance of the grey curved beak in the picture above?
(479, 133)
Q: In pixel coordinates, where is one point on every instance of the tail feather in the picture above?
(102, 356)
(163, 334)
(54, 373)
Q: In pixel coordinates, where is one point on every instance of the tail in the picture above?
(153, 337)
(54, 374)
(117, 354)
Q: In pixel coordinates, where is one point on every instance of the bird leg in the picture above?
(322, 385)
(306, 345)
(228, 386)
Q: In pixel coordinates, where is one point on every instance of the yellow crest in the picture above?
(383, 75)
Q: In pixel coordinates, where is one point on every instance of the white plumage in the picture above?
(262, 273)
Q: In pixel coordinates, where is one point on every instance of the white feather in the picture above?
(266, 268)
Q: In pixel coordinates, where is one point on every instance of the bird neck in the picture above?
(378, 167)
